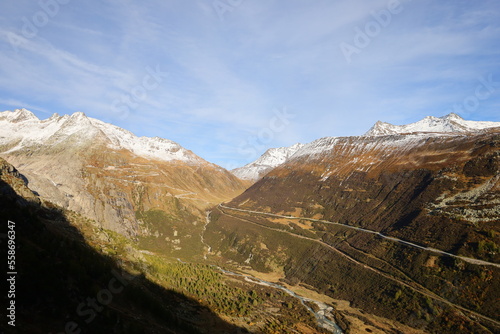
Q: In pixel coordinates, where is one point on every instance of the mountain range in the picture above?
(394, 231)
(21, 130)
(122, 182)
(429, 126)
(451, 123)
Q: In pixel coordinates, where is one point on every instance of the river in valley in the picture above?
(320, 315)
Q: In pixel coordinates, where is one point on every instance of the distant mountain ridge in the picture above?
(272, 158)
(451, 123)
(22, 129)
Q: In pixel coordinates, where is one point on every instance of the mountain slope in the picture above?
(146, 188)
(272, 158)
(381, 214)
(64, 284)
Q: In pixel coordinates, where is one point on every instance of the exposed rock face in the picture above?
(378, 208)
(110, 175)
(449, 124)
(15, 184)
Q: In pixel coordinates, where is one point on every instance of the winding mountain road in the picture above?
(404, 242)
(413, 285)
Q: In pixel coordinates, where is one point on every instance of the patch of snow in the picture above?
(356, 145)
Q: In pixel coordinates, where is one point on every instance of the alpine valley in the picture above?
(395, 231)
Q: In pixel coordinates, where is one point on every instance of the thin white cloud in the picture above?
(22, 104)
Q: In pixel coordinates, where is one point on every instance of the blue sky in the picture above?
(229, 78)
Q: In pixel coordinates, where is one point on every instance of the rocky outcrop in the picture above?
(16, 185)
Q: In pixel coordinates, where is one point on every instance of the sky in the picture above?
(229, 79)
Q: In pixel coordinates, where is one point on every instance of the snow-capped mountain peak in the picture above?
(277, 156)
(22, 129)
(19, 115)
(451, 123)
(272, 158)
(453, 116)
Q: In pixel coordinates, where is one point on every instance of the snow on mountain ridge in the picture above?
(362, 143)
(446, 124)
(18, 115)
(23, 126)
(404, 137)
(272, 158)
